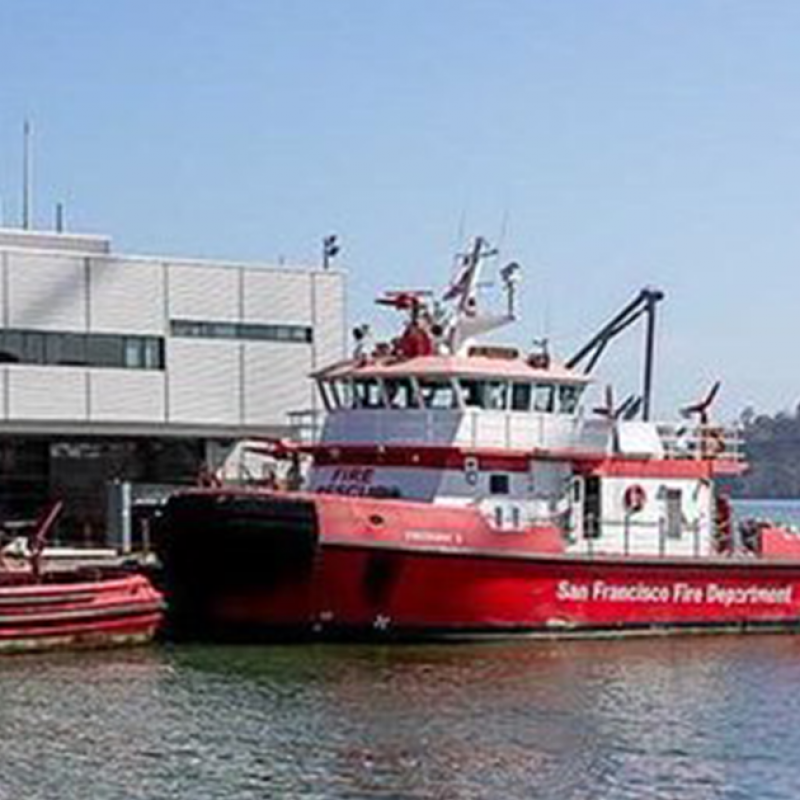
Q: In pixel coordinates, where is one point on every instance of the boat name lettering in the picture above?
(677, 592)
(433, 537)
(357, 482)
(353, 475)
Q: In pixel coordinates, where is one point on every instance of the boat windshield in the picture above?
(568, 396)
(437, 393)
(521, 394)
(337, 393)
(492, 395)
(400, 393)
(544, 397)
(483, 394)
(367, 393)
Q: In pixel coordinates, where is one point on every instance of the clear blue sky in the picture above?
(626, 143)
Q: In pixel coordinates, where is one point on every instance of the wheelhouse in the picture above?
(540, 395)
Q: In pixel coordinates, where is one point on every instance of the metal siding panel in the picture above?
(204, 381)
(276, 381)
(4, 261)
(277, 297)
(43, 393)
(203, 293)
(330, 323)
(127, 396)
(126, 296)
(46, 291)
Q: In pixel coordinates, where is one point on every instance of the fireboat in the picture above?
(461, 489)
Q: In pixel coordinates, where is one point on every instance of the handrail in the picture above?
(709, 442)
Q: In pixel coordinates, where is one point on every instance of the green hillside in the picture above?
(772, 447)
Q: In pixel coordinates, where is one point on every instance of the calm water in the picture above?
(706, 717)
(697, 718)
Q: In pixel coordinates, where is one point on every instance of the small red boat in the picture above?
(45, 609)
(461, 489)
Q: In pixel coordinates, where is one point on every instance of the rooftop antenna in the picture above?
(330, 249)
(26, 175)
(504, 223)
(59, 218)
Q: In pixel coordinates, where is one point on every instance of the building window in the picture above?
(55, 349)
(302, 334)
(68, 349)
(104, 350)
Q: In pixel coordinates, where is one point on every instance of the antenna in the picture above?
(330, 249)
(26, 175)
(504, 224)
(59, 218)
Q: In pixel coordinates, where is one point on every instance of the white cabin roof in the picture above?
(452, 366)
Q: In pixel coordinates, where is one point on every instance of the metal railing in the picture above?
(709, 442)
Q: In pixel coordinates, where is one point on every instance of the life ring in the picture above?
(634, 498)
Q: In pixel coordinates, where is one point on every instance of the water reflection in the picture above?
(701, 718)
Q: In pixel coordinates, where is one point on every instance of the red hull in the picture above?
(78, 614)
(361, 590)
(255, 566)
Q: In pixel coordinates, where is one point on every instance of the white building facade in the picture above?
(99, 349)
(94, 342)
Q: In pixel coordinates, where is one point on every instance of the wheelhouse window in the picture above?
(367, 393)
(521, 394)
(400, 393)
(340, 393)
(496, 395)
(568, 396)
(437, 393)
(472, 392)
(492, 395)
(544, 397)
(326, 394)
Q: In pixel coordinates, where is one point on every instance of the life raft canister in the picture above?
(634, 498)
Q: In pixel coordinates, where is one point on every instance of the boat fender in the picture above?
(634, 498)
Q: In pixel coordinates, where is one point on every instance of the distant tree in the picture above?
(772, 449)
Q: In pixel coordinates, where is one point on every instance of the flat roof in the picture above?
(57, 241)
(452, 366)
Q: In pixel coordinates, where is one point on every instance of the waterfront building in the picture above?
(120, 368)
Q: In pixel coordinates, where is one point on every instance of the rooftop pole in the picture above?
(26, 175)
